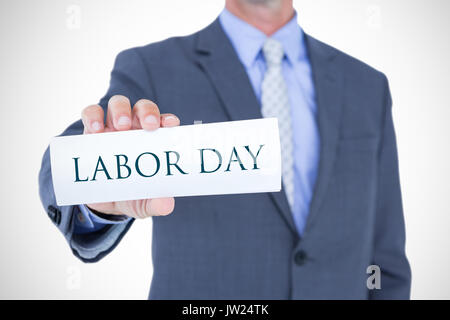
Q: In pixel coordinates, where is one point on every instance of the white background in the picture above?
(54, 61)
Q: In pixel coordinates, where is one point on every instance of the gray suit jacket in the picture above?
(246, 246)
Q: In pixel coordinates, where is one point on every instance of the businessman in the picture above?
(339, 211)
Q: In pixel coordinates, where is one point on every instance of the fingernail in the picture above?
(124, 121)
(170, 118)
(96, 126)
(151, 119)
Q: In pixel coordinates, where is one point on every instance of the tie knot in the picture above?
(273, 52)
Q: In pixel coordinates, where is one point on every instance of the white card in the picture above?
(200, 159)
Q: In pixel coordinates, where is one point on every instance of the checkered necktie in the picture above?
(275, 103)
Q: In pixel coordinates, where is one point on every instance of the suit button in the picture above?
(51, 214)
(300, 258)
(54, 214)
(51, 211)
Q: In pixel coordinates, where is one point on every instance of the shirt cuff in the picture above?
(86, 220)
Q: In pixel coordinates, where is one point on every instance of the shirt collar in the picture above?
(248, 40)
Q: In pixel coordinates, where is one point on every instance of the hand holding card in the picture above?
(118, 168)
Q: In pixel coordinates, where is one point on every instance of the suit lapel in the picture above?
(328, 85)
(217, 57)
(221, 64)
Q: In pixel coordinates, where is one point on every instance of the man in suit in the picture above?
(340, 208)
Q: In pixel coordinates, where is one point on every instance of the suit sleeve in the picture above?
(129, 77)
(389, 234)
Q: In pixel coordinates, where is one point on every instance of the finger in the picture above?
(119, 113)
(92, 118)
(169, 120)
(162, 206)
(146, 115)
(103, 207)
(141, 209)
